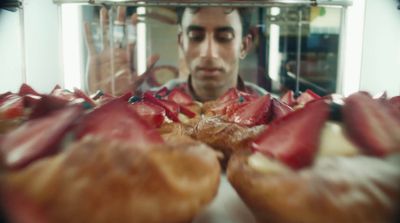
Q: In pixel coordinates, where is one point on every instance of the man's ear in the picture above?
(180, 40)
(246, 45)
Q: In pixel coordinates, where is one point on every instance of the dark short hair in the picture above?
(245, 14)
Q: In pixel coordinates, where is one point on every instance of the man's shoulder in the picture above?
(173, 83)
(255, 89)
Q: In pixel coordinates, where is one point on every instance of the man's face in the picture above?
(212, 45)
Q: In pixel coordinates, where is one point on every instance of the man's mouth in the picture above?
(209, 71)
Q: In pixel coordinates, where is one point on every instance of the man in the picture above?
(213, 41)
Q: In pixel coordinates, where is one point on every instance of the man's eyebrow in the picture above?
(194, 28)
(225, 29)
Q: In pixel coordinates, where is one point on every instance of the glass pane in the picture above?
(12, 72)
(128, 43)
(317, 30)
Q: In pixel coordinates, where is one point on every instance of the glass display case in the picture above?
(11, 29)
(124, 137)
(295, 44)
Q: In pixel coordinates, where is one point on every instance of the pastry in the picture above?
(98, 180)
(224, 136)
(305, 168)
(112, 166)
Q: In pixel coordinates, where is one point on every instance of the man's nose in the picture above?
(209, 48)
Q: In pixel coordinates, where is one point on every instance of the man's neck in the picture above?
(204, 94)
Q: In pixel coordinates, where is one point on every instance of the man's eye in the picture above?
(224, 36)
(196, 35)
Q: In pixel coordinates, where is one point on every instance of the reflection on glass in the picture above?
(272, 61)
(319, 38)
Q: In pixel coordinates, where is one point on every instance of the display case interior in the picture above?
(296, 45)
(117, 142)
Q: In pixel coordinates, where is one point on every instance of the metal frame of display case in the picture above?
(11, 5)
(239, 3)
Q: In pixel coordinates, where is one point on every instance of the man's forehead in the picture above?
(211, 17)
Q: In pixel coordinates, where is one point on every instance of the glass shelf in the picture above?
(244, 3)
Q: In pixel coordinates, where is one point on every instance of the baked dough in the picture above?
(335, 189)
(101, 181)
(224, 136)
